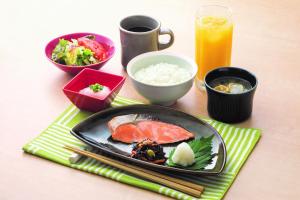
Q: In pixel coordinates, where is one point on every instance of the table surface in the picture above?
(266, 41)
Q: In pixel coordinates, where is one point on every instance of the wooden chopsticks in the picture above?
(178, 184)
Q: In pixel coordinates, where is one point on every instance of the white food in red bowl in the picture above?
(96, 90)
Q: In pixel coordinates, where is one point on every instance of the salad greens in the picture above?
(202, 149)
(96, 87)
(70, 53)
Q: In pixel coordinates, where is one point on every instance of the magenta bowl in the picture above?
(86, 78)
(108, 44)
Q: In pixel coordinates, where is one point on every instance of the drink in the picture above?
(140, 29)
(213, 40)
(140, 34)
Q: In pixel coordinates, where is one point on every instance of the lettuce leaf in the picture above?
(70, 53)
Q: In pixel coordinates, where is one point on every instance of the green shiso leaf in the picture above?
(202, 149)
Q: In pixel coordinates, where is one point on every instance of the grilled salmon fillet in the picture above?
(134, 128)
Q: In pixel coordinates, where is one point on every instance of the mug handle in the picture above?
(165, 31)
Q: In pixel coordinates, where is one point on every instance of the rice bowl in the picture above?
(167, 91)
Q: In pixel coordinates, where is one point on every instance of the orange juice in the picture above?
(213, 43)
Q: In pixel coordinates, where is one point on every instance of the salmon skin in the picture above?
(136, 128)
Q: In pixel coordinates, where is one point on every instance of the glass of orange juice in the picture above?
(213, 30)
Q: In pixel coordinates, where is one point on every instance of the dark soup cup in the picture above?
(230, 105)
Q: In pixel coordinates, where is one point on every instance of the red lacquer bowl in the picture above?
(107, 43)
(86, 78)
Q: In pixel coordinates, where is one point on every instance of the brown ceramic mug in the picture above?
(140, 34)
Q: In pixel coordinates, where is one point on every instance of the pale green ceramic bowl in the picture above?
(161, 94)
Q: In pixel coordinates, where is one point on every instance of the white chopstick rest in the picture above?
(74, 157)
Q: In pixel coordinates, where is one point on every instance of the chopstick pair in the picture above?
(178, 184)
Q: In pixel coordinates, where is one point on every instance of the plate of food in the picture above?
(77, 51)
(155, 137)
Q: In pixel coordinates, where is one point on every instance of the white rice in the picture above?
(162, 74)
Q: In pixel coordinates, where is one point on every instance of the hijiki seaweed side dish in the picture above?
(149, 151)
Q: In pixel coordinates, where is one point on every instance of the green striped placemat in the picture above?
(239, 143)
